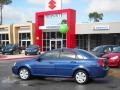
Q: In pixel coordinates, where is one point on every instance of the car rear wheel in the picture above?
(81, 77)
(24, 73)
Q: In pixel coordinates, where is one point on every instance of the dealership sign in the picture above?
(53, 5)
(101, 27)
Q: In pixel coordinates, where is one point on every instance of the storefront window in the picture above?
(7, 37)
(3, 36)
(53, 34)
(44, 35)
(4, 39)
(64, 43)
(48, 35)
(59, 35)
(56, 37)
(24, 39)
(64, 36)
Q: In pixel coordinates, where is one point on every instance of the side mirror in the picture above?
(39, 59)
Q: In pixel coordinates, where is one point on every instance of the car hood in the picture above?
(31, 48)
(7, 48)
(26, 61)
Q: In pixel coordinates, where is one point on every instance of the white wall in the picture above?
(106, 28)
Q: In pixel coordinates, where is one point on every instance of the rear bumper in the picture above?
(99, 72)
(113, 64)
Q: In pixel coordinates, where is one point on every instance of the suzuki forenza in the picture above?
(69, 63)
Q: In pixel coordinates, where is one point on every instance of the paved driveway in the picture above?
(11, 82)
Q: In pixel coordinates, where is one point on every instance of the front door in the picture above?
(55, 44)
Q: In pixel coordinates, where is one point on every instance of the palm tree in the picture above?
(64, 21)
(96, 17)
(2, 3)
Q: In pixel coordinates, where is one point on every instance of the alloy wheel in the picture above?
(24, 74)
(81, 77)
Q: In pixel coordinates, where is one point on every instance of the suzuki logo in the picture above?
(52, 4)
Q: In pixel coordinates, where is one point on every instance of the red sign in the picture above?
(52, 4)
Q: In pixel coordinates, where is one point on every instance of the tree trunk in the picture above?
(1, 14)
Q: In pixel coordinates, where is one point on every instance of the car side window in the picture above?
(79, 56)
(107, 50)
(51, 55)
(67, 55)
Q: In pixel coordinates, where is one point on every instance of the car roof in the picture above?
(109, 45)
(69, 49)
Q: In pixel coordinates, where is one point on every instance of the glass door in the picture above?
(55, 44)
(52, 45)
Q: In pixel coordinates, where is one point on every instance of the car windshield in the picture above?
(97, 49)
(32, 46)
(117, 49)
(9, 46)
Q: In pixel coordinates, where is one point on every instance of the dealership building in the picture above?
(87, 35)
(45, 32)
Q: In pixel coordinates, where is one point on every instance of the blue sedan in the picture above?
(70, 63)
(32, 49)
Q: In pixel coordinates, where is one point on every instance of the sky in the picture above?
(21, 11)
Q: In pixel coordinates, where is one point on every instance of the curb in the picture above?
(18, 58)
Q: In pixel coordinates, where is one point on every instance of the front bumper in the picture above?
(15, 70)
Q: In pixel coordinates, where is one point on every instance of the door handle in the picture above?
(73, 62)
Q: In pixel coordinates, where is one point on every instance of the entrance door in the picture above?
(55, 44)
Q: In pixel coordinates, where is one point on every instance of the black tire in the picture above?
(42, 77)
(38, 53)
(19, 52)
(24, 74)
(81, 77)
(13, 53)
(118, 65)
(26, 54)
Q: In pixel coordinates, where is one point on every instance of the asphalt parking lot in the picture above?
(10, 82)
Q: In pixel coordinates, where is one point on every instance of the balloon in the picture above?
(63, 28)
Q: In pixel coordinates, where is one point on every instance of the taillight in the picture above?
(101, 63)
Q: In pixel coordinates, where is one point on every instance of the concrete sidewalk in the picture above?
(13, 57)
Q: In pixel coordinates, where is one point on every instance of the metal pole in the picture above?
(89, 42)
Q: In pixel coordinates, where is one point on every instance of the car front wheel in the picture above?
(81, 77)
(24, 73)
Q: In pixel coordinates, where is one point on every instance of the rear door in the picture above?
(67, 62)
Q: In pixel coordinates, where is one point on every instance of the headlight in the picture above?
(14, 64)
(115, 57)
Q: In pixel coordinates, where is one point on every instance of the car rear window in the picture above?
(32, 46)
(87, 55)
(116, 49)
